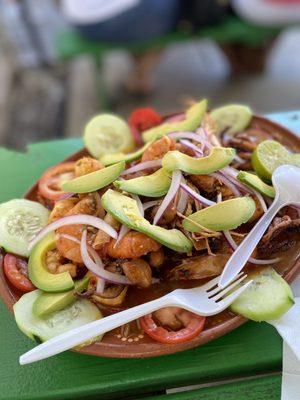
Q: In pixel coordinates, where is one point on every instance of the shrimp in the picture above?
(156, 258)
(138, 271)
(61, 208)
(158, 149)
(54, 263)
(132, 245)
(86, 165)
(68, 248)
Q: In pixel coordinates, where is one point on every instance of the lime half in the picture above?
(269, 155)
(107, 134)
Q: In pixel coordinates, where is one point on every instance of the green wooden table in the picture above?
(251, 350)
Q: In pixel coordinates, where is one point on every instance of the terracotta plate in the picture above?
(216, 326)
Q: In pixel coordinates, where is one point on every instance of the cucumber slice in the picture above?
(79, 313)
(20, 220)
(268, 297)
(106, 134)
(232, 118)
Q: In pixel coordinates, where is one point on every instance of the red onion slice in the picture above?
(186, 135)
(251, 260)
(183, 199)
(174, 118)
(100, 286)
(203, 200)
(227, 182)
(139, 203)
(141, 166)
(198, 152)
(97, 267)
(149, 204)
(176, 179)
(123, 231)
(81, 219)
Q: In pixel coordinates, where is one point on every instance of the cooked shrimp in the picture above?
(156, 258)
(61, 208)
(158, 149)
(54, 263)
(68, 248)
(133, 245)
(87, 165)
(138, 271)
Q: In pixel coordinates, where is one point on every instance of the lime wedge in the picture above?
(269, 155)
(107, 134)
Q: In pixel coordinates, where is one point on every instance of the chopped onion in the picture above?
(97, 266)
(139, 203)
(251, 260)
(186, 135)
(149, 204)
(227, 182)
(81, 219)
(183, 199)
(176, 179)
(174, 118)
(141, 166)
(197, 196)
(192, 146)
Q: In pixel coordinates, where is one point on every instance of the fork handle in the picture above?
(242, 254)
(79, 335)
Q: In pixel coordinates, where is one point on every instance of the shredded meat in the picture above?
(199, 267)
(280, 236)
(138, 272)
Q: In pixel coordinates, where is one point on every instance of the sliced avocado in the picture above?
(218, 158)
(109, 159)
(228, 214)
(125, 210)
(47, 303)
(256, 183)
(267, 298)
(192, 121)
(40, 275)
(95, 180)
(154, 185)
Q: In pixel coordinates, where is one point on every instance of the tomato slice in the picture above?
(50, 183)
(15, 270)
(142, 119)
(193, 327)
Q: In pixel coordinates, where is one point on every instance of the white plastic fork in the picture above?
(208, 299)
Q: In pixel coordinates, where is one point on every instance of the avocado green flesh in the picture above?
(47, 303)
(125, 210)
(40, 275)
(109, 159)
(228, 214)
(256, 183)
(218, 158)
(154, 185)
(194, 116)
(95, 180)
(267, 298)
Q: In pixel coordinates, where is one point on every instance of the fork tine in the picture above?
(210, 284)
(230, 299)
(227, 289)
(218, 288)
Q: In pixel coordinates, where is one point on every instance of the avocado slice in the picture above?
(154, 185)
(95, 180)
(47, 303)
(228, 214)
(192, 121)
(256, 183)
(218, 158)
(38, 272)
(109, 159)
(125, 210)
(267, 298)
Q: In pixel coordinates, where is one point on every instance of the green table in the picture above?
(250, 350)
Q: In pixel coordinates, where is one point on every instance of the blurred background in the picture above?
(63, 61)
